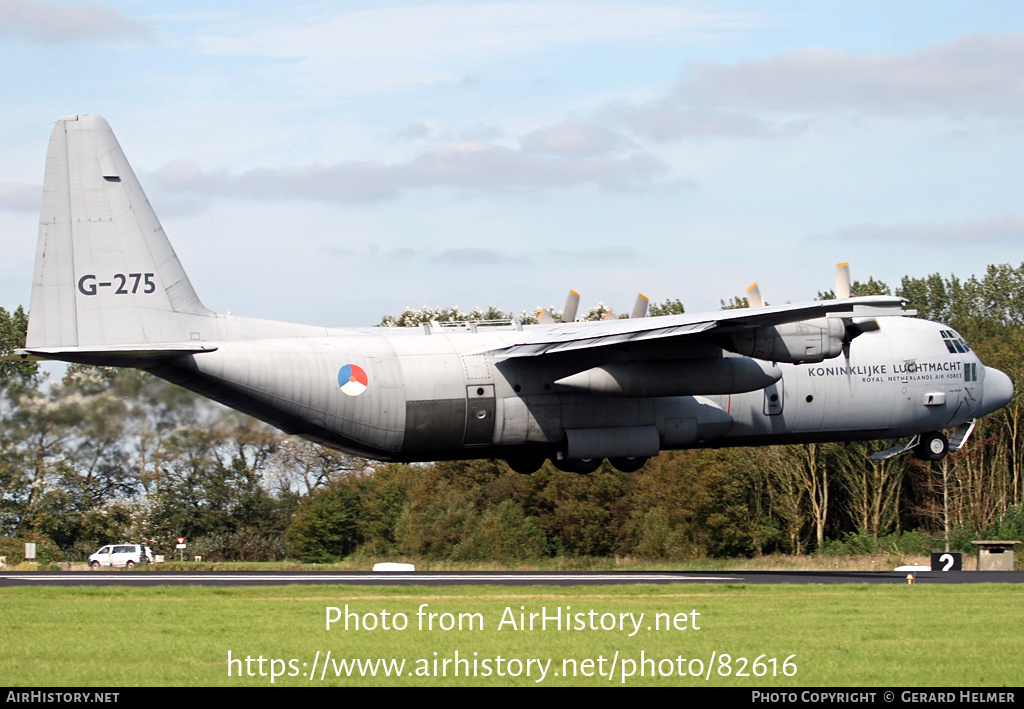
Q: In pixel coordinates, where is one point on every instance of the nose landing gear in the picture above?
(931, 446)
(927, 446)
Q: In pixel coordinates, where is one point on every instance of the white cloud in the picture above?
(982, 230)
(50, 22)
(608, 254)
(667, 120)
(414, 131)
(574, 139)
(976, 75)
(776, 97)
(474, 256)
(465, 165)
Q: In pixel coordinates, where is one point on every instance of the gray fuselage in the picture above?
(433, 395)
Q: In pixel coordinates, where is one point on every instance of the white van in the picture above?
(126, 555)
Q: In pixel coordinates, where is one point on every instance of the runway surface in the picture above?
(480, 578)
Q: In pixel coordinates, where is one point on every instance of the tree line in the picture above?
(107, 455)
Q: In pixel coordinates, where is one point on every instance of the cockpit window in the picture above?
(954, 343)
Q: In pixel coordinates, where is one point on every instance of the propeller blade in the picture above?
(842, 280)
(544, 317)
(754, 298)
(571, 304)
(639, 307)
(855, 327)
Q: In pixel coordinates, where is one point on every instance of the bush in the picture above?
(960, 538)
(662, 538)
(912, 542)
(833, 547)
(1010, 526)
(863, 544)
(14, 549)
(432, 525)
(243, 545)
(503, 533)
(326, 527)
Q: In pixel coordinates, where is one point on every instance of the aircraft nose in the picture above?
(997, 392)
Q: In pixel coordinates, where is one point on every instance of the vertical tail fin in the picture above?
(105, 272)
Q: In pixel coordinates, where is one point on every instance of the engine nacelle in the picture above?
(685, 377)
(806, 341)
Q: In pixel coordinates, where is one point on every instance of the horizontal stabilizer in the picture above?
(111, 354)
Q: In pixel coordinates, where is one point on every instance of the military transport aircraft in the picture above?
(109, 290)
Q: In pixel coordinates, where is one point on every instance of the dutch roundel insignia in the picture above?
(352, 380)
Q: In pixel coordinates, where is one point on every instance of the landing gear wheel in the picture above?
(628, 465)
(582, 466)
(525, 464)
(933, 446)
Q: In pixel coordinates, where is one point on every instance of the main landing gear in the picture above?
(528, 463)
(525, 463)
(583, 466)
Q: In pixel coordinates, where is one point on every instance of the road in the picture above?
(138, 577)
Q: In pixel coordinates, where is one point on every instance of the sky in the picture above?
(328, 163)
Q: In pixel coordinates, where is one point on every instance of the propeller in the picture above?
(843, 290)
(754, 299)
(855, 327)
(571, 305)
(545, 316)
(639, 307)
(842, 280)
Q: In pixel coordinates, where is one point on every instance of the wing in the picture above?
(544, 340)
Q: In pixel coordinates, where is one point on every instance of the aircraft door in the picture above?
(773, 399)
(479, 415)
(972, 386)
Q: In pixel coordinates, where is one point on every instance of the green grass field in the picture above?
(856, 635)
